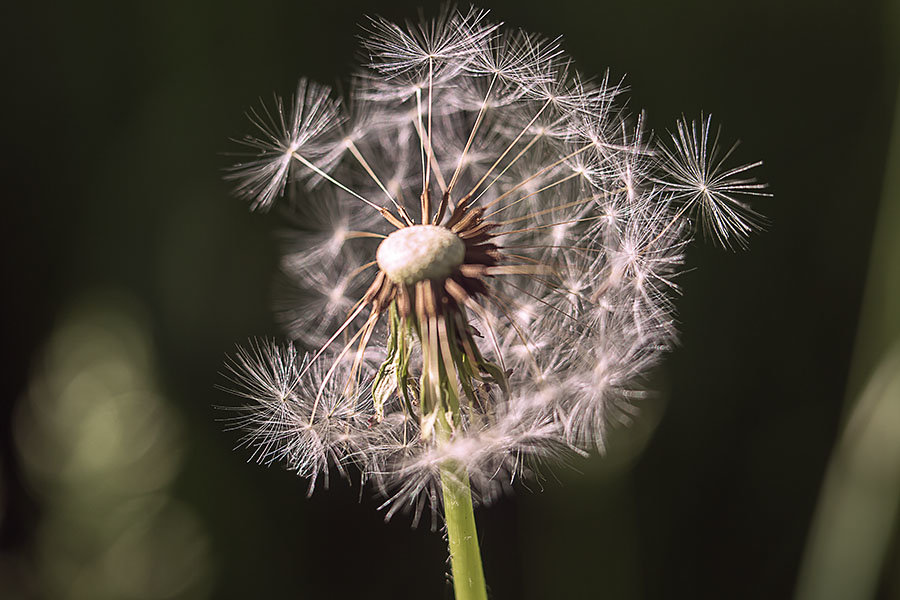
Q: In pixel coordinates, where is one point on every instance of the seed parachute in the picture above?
(483, 268)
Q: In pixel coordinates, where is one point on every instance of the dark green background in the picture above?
(118, 115)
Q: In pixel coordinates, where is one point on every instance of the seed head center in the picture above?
(420, 252)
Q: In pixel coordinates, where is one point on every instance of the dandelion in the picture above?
(485, 256)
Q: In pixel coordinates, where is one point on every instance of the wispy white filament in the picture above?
(591, 220)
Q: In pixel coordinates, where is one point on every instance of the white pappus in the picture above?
(548, 226)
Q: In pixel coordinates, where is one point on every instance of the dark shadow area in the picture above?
(118, 117)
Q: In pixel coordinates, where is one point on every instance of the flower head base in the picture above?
(412, 254)
(486, 261)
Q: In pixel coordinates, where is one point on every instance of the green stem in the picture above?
(465, 556)
(441, 401)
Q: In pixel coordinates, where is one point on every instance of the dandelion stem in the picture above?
(441, 380)
(465, 556)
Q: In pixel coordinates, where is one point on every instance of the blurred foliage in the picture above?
(118, 115)
(99, 449)
(857, 512)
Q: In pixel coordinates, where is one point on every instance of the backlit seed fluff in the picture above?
(484, 260)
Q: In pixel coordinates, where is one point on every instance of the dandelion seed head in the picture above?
(482, 264)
